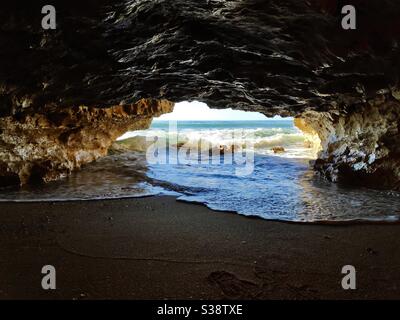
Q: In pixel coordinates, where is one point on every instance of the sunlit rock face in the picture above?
(49, 145)
(277, 57)
(360, 147)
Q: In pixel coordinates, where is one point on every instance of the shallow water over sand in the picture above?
(279, 188)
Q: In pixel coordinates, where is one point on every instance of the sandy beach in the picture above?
(158, 248)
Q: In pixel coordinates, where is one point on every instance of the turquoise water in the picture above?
(278, 187)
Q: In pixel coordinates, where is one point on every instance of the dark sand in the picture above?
(155, 248)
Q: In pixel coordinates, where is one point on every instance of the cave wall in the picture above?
(47, 146)
(359, 146)
(285, 57)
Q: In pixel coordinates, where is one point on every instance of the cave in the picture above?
(126, 62)
(107, 67)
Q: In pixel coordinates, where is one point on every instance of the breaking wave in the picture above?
(262, 140)
(281, 186)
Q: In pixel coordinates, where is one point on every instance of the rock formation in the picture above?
(47, 146)
(278, 149)
(285, 57)
(361, 146)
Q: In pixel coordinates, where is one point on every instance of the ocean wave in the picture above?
(261, 140)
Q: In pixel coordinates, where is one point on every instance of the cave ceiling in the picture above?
(272, 56)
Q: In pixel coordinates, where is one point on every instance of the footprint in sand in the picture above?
(232, 286)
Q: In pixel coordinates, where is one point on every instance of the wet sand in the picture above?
(158, 248)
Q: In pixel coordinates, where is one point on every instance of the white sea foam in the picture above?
(279, 187)
(262, 140)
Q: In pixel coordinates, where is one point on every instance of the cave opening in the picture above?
(231, 160)
(196, 124)
(251, 164)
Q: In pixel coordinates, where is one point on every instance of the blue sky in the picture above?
(201, 112)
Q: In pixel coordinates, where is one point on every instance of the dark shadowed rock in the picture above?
(269, 56)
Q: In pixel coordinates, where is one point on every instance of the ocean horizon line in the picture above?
(228, 120)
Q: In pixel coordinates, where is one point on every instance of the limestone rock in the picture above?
(360, 147)
(48, 146)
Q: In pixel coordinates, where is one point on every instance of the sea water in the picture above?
(280, 186)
